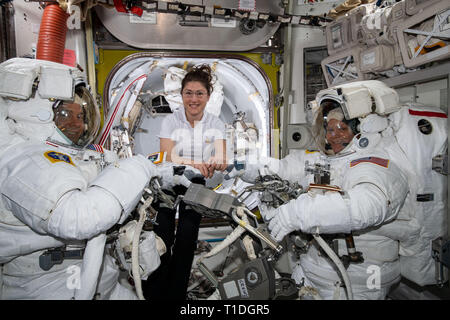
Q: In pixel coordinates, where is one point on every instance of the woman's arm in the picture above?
(219, 160)
(168, 146)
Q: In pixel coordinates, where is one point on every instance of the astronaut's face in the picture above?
(69, 118)
(338, 135)
(195, 97)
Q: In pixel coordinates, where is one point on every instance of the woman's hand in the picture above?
(204, 169)
(216, 163)
(208, 169)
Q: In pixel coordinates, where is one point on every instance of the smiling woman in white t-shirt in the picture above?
(192, 137)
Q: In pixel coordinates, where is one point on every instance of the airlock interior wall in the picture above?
(162, 31)
(302, 39)
(238, 73)
(26, 21)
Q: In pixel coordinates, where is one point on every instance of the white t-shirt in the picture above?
(193, 143)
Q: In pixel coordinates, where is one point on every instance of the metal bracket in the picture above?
(441, 254)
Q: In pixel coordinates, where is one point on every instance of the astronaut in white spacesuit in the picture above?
(57, 199)
(354, 156)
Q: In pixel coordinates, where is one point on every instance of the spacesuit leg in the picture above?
(323, 278)
(327, 290)
(109, 286)
(120, 292)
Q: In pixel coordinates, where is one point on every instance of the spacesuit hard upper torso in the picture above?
(365, 163)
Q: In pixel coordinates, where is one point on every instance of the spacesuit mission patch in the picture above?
(378, 161)
(156, 157)
(54, 157)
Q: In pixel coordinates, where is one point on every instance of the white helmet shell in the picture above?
(30, 88)
(361, 98)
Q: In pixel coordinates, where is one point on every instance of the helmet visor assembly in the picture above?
(78, 120)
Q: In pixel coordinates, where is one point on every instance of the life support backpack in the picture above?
(421, 133)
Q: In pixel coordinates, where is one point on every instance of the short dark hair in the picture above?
(202, 74)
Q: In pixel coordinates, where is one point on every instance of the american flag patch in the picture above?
(95, 147)
(378, 161)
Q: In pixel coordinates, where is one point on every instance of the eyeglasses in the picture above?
(69, 112)
(198, 94)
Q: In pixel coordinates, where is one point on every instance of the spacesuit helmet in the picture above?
(356, 101)
(40, 99)
(78, 119)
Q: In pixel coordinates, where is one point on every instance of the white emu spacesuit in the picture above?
(372, 173)
(58, 199)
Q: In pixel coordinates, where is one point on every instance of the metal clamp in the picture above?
(321, 172)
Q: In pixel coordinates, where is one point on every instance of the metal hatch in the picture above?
(172, 32)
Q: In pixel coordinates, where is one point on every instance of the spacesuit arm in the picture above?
(374, 196)
(82, 215)
(126, 179)
(56, 199)
(109, 199)
(364, 205)
(290, 168)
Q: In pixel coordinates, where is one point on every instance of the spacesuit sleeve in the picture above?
(392, 185)
(56, 199)
(374, 195)
(290, 168)
(109, 200)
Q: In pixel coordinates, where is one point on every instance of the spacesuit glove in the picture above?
(250, 172)
(173, 174)
(233, 173)
(285, 220)
(126, 179)
(141, 162)
(261, 166)
(266, 212)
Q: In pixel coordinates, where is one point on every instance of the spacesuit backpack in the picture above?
(421, 133)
